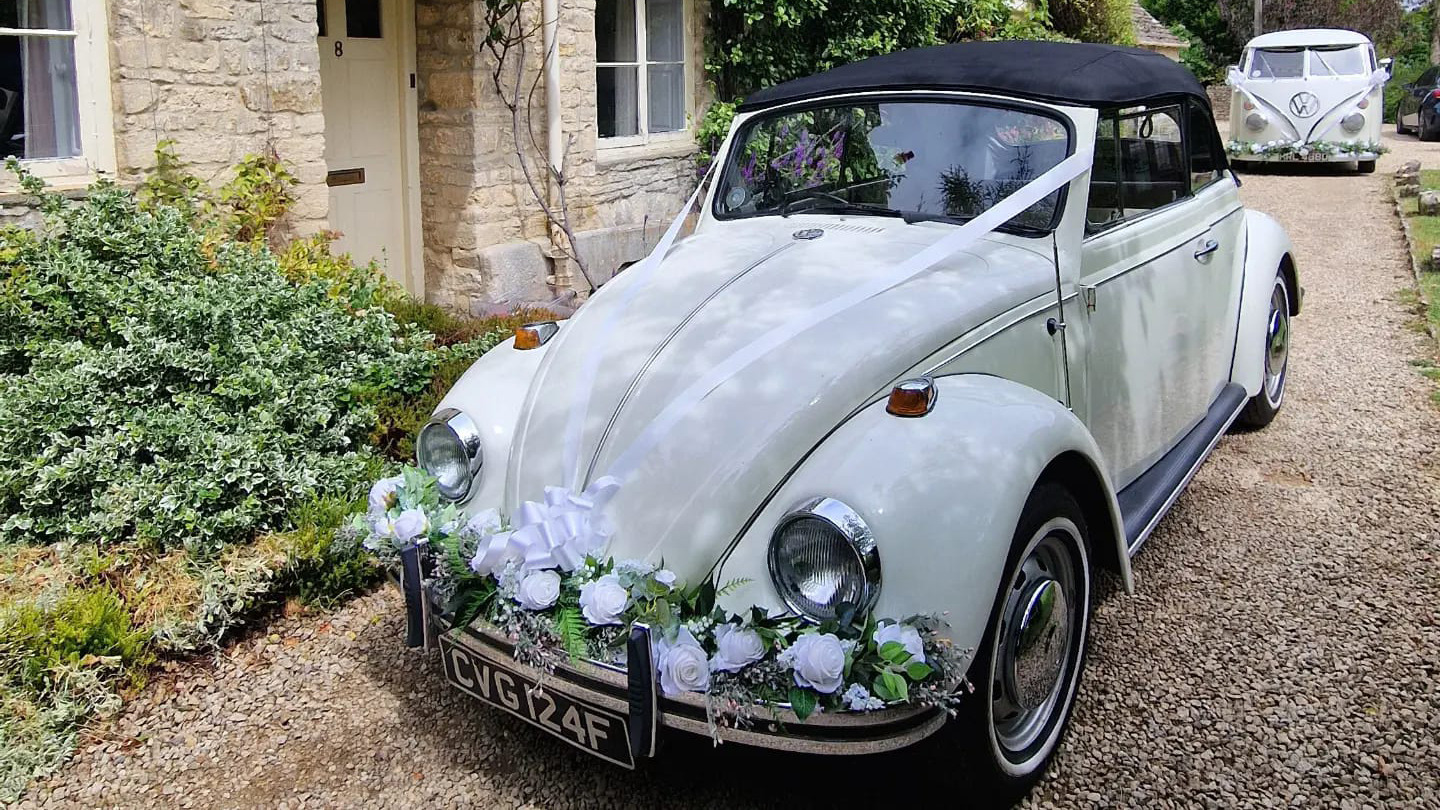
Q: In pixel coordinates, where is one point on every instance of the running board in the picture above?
(1150, 496)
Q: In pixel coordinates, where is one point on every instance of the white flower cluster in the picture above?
(402, 528)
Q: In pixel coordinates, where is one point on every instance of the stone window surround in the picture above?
(679, 143)
(97, 133)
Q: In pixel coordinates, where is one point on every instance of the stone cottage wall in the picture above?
(487, 244)
(223, 79)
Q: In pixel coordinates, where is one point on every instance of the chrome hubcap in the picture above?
(1034, 660)
(1277, 344)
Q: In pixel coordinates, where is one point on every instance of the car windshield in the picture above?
(1277, 63)
(1340, 60)
(921, 160)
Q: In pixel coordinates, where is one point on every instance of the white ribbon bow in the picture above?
(558, 533)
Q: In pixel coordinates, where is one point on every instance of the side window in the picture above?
(1139, 165)
(1204, 165)
(1427, 79)
(1103, 209)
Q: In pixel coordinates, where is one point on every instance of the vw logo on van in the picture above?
(1304, 104)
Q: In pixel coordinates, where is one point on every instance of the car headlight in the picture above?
(1255, 121)
(822, 555)
(1353, 122)
(449, 449)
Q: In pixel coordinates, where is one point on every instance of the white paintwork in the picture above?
(1338, 96)
(365, 128)
(1267, 245)
(1305, 37)
(942, 493)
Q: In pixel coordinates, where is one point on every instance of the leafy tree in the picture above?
(1210, 44)
(1377, 19)
(1093, 20)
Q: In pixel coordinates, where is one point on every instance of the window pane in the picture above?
(617, 97)
(1352, 61)
(664, 31)
(615, 31)
(53, 14)
(1286, 63)
(39, 107)
(1203, 166)
(1152, 165)
(1103, 209)
(362, 19)
(667, 98)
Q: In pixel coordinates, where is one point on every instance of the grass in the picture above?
(1424, 238)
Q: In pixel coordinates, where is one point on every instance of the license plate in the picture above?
(590, 728)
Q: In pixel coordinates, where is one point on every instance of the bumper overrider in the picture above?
(479, 660)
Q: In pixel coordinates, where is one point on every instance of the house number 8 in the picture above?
(339, 48)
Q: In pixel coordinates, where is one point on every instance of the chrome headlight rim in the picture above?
(467, 435)
(1353, 122)
(1256, 122)
(858, 536)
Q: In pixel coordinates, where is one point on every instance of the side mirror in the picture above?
(1388, 65)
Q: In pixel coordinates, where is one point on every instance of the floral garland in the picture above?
(557, 604)
(1300, 150)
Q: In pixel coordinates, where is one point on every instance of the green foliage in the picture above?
(188, 413)
(1210, 47)
(151, 393)
(1410, 48)
(997, 19)
(1093, 20)
(757, 43)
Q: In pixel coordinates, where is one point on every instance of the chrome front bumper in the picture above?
(611, 687)
(636, 696)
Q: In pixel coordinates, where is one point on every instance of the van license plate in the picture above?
(590, 728)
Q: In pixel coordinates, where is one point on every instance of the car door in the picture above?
(1144, 277)
(1414, 96)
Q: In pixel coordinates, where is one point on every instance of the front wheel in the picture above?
(1262, 407)
(1365, 166)
(1028, 666)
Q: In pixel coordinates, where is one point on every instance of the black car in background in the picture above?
(1416, 112)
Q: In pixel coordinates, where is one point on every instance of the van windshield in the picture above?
(1324, 61)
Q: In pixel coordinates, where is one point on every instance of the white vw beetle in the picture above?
(953, 331)
(1314, 94)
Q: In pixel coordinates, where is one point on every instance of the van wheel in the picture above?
(1366, 166)
(1262, 407)
(1028, 666)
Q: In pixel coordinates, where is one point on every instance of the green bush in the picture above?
(1093, 20)
(189, 407)
(151, 392)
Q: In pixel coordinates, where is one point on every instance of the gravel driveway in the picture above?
(1282, 648)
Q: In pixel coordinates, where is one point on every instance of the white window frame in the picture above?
(642, 89)
(92, 77)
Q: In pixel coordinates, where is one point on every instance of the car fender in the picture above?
(492, 392)
(1267, 248)
(942, 494)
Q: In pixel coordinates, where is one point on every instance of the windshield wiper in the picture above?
(848, 208)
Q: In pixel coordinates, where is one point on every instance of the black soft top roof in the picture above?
(1082, 74)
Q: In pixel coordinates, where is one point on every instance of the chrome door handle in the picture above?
(1206, 249)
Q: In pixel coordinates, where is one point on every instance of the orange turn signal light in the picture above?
(535, 335)
(912, 397)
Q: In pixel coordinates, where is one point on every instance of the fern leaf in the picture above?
(733, 585)
(570, 625)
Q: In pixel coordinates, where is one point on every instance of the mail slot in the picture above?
(345, 177)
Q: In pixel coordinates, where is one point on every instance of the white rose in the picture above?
(484, 524)
(818, 660)
(736, 648)
(382, 527)
(604, 600)
(382, 495)
(665, 577)
(412, 524)
(538, 590)
(906, 636)
(682, 665)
